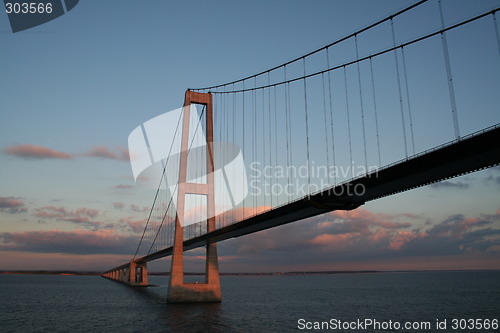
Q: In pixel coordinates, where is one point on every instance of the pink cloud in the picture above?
(456, 226)
(86, 212)
(83, 221)
(17, 260)
(118, 205)
(124, 154)
(38, 152)
(361, 234)
(136, 226)
(12, 205)
(104, 152)
(401, 238)
(378, 235)
(35, 152)
(135, 208)
(80, 216)
(138, 209)
(360, 228)
(59, 212)
(77, 241)
(123, 187)
(338, 241)
(362, 214)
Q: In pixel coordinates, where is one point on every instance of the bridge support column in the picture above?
(179, 291)
(143, 274)
(126, 275)
(138, 275)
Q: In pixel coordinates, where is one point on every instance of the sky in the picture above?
(73, 89)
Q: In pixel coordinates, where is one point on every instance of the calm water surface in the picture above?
(31, 303)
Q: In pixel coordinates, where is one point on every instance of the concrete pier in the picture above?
(136, 274)
(181, 292)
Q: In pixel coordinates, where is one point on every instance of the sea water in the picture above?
(277, 303)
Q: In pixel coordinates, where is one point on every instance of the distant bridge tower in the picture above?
(179, 291)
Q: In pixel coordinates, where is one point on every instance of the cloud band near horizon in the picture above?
(34, 152)
(339, 236)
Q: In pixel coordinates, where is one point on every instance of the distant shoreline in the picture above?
(85, 273)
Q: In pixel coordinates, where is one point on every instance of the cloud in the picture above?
(138, 209)
(448, 184)
(105, 153)
(132, 208)
(364, 236)
(12, 205)
(458, 235)
(326, 241)
(80, 216)
(136, 226)
(61, 261)
(118, 205)
(410, 215)
(28, 151)
(122, 187)
(403, 237)
(359, 231)
(493, 180)
(84, 221)
(341, 240)
(73, 242)
(35, 152)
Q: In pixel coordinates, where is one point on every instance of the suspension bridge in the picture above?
(367, 116)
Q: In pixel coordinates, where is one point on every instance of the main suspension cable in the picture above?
(159, 186)
(320, 49)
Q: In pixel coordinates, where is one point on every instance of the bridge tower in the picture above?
(179, 291)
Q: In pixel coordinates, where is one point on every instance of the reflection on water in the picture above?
(250, 303)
